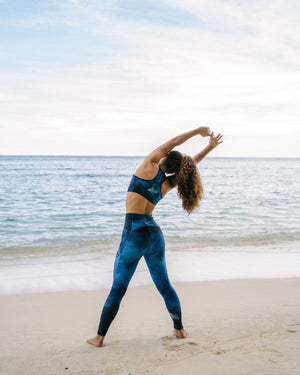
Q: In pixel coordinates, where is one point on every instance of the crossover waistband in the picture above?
(136, 221)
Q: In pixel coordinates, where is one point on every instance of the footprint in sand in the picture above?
(223, 351)
(170, 344)
(192, 343)
(167, 338)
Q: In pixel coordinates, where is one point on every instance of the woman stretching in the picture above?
(141, 236)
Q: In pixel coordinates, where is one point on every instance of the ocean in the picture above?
(61, 220)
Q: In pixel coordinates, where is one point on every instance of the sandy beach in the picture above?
(234, 327)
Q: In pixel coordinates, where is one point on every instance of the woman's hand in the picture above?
(204, 131)
(214, 140)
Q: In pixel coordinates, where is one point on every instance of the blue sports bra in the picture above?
(149, 189)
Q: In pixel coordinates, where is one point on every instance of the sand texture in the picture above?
(234, 327)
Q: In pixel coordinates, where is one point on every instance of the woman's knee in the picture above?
(117, 293)
(165, 288)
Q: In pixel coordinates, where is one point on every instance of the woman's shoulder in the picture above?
(172, 180)
(169, 183)
(147, 170)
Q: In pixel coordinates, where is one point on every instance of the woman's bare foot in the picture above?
(180, 334)
(97, 341)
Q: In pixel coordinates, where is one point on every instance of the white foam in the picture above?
(94, 271)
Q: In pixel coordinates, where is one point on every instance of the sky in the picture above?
(95, 77)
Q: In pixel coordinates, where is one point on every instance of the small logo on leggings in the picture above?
(174, 316)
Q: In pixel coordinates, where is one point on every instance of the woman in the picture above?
(142, 236)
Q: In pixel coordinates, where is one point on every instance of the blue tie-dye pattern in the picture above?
(141, 237)
(149, 189)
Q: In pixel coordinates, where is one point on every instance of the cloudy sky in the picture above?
(108, 77)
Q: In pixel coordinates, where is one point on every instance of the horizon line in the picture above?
(143, 156)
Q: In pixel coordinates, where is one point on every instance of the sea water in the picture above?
(61, 220)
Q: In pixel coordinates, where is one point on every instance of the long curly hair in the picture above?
(187, 179)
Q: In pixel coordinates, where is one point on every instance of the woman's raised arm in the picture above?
(168, 146)
(213, 143)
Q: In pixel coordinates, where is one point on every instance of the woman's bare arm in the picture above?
(213, 143)
(166, 147)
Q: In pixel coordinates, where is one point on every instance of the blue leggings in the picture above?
(141, 237)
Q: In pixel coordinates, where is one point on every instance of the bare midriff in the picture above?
(137, 204)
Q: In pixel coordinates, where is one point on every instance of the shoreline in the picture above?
(93, 271)
(240, 326)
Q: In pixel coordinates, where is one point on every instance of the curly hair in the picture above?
(188, 181)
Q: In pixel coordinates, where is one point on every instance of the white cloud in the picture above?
(238, 72)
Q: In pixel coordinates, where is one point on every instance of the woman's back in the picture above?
(144, 192)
